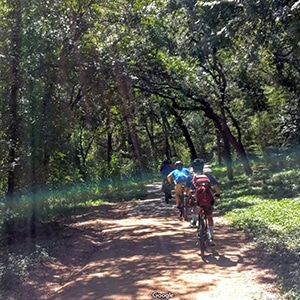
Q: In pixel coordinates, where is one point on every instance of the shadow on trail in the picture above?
(129, 259)
(221, 260)
(123, 250)
(157, 252)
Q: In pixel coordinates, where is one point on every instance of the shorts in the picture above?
(208, 209)
(179, 189)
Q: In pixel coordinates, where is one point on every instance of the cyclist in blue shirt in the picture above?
(179, 176)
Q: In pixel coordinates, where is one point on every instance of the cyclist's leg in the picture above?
(178, 192)
(163, 185)
(210, 220)
(194, 213)
(187, 190)
(201, 234)
(208, 212)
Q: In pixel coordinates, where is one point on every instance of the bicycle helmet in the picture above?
(198, 165)
(167, 162)
(178, 163)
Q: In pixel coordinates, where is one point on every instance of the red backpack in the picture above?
(203, 192)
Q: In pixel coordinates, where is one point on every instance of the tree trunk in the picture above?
(219, 149)
(227, 135)
(221, 82)
(185, 133)
(109, 150)
(227, 149)
(221, 125)
(15, 18)
(239, 148)
(165, 125)
(34, 178)
(228, 159)
(126, 97)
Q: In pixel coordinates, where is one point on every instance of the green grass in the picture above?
(266, 207)
(56, 203)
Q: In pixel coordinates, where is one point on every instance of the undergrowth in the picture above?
(266, 206)
(60, 202)
(51, 207)
(15, 265)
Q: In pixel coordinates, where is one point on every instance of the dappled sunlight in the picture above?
(150, 262)
(146, 248)
(129, 250)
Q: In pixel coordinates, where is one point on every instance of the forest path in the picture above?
(147, 252)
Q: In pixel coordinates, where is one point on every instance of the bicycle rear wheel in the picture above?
(181, 208)
(185, 209)
(167, 189)
(201, 236)
(168, 196)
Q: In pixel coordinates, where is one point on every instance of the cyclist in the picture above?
(166, 168)
(179, 176)
(198, 166)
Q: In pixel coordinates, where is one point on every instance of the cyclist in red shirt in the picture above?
(198, 168)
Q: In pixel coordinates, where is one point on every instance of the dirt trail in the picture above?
(148, 253)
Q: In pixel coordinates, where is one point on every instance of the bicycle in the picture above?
(167, 190)
(202, 232)
(183, 206)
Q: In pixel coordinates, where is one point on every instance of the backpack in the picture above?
(180, 177)
(203, 192)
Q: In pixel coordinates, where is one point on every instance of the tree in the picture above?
(14, 18)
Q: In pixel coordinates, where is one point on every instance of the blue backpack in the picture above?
(181, 177)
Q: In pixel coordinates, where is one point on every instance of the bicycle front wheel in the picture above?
(201, 236)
